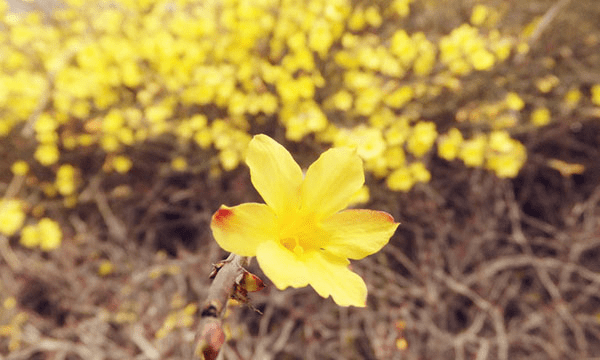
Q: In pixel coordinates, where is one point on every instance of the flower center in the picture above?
(292, 244)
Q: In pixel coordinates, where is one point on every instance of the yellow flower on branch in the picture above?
(302, 235)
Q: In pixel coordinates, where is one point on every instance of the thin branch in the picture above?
(211, 336)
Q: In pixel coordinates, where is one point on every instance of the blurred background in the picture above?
(123, 127)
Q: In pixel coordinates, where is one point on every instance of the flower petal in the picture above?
(330, 275)
(332, 181)
(358, 233)
(274, 173)
(240, 229)
(282, 266)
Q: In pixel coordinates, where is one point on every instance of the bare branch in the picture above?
(210, 336)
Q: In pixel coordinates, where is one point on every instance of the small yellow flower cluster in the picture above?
(205, 73)
(540, 116)
(502, 114)
(66, 180)
(497, 151)
(12, 216)
(465, 49)
(47, 152)
(19, 168)
(384, 149)
(46, 234)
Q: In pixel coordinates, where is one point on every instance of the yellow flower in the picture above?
(449, 144)
(540, 116)
(19, 168)
(122, 164)
(514, 101)
(179, 163)
(368, 141)
(30, 236)
(11, 216)
(106, 268)
(400, 97)
(479, 15)
(482, 59)
(372, 16)
(50, 234)
(300, 236)
(66, 182)
(422, 138)
(46, 154)
(400, 180)
(342, 100)
(419, 172)
(547, 83)
(472, 151)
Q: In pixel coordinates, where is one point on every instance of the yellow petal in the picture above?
(281, 265)
(331, 182)
(274, 173)
(240, 229)
(358, 233)
(330, 275)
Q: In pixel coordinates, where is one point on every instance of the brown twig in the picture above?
(210, 336)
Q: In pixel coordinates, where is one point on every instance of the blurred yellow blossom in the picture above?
(400, 180)
(372, 16)
(507, 165)
(30, 236)
(19, 168)
(105, 268)
(122, 164)
(419, 172)
(500, 141)
(482, 59)
(472, 151)
(9, 303)
(507, 155)
(367, 141)
(401, 344)
(514, 102)
(50, 234)
(547, 83)
(401, 7)
(479, 14)
(398, 132)
(395, 157)
(422, 138)
(46, 154)
(565, 168)
(342, 100)
(66, 180)
(46, 234)
(12, 216)
(540, 116)
(229, 159)
(179, 163)
(399, 97)
(449, 144)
